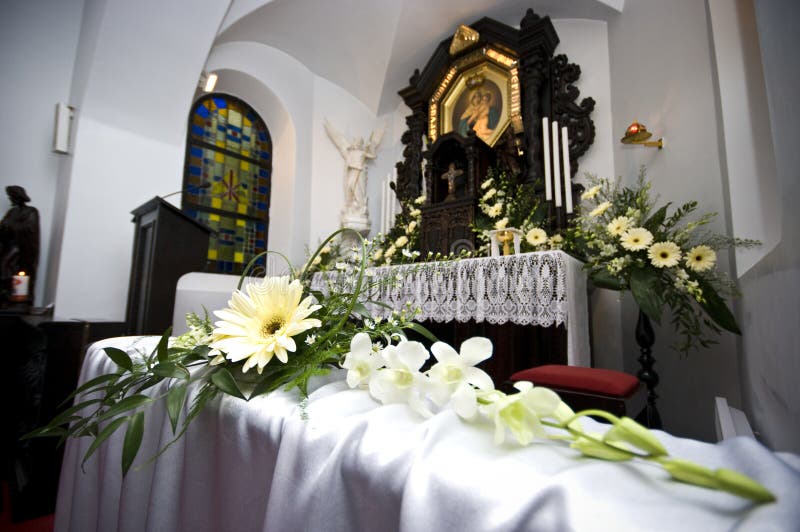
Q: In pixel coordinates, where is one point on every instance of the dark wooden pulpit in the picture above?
(166, 245)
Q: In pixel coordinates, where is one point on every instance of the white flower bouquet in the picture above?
(664, 260)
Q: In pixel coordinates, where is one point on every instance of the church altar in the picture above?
(545, 288)
(344, 462)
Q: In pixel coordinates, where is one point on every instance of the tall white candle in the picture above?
(567, 169)
(556, 166)
(548, 185)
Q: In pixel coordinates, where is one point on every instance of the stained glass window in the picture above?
(227, 181)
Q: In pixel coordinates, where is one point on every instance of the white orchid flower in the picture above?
(522, 412)
(361, 362)
(454, 375)
(401, 381)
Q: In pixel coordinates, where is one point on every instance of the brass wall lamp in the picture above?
(638, 134)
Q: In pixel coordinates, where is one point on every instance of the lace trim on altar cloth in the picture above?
(545, 288)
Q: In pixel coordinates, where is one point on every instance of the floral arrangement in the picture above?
(664, 260)
(401, 244)
(504, 203)
(276, 333)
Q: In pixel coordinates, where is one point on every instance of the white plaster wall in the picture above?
(130, 133)
(770, 306)
(661, 75)
(38, 41)
(755, 207)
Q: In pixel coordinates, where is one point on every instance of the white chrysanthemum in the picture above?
(411, 227)
(260, 323)
(592, 192)
(489, 193)
(420, 200)
(415, 213)
(536, 237)
(664, 254)
(377, 255)
(389, 251)
(401, 241)
(701, 258)
(501, 223)
(600, 209)
(618, 225)
(636, 239)
(556, 241)
(486, 184)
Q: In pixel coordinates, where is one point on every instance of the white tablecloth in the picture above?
(545, 288)
(356, 465)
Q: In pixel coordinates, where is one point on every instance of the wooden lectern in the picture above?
(167, 244)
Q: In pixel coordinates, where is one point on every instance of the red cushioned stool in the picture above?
(582, 388)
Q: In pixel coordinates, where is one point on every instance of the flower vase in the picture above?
(645, 337)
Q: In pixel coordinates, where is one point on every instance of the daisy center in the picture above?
(270, 326)
(664, 254)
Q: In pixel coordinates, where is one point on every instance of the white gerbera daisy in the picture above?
(536, 237)
(636, 239)
(260, 323)
(618, 225)
(664, 254)
(600, 209)
(701, 258)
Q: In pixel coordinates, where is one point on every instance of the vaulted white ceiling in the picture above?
(371, 47)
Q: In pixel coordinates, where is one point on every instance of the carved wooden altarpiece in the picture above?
(479, 103)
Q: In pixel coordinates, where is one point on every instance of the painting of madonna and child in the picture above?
(479, 108)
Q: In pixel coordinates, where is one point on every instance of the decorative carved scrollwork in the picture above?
(563, 75)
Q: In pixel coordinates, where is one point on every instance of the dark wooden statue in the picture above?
(19, 241)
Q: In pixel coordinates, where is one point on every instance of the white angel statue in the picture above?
(355, 154)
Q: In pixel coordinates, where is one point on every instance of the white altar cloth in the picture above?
(545, 288)
(356, 465)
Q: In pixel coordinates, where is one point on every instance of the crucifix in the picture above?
(451, 175)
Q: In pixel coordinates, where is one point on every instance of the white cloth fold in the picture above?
(346, 463)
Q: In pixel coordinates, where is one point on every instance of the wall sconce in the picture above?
(207, 81)
(638, 134)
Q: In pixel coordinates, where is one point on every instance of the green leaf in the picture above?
(223, 380)
(102, 436)
(654, 222)
(149, 383)
(175, 399)
(602, 278)
(419, 329)
(90, 384)
(716, 308)
(64, 417)
(361, 310)
(128, 403)
(646, 290)
(171, 370)
(162, 353)
(133, 439)
(120, 357)
(45, 432)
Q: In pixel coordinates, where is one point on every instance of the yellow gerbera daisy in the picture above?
(701, 258)
(592, 192)
(260, 322)
(618, 225)
(536, 237)
(636, 239)
(664, 254)
(600, 209)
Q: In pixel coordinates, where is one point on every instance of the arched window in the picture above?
(227, 179)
